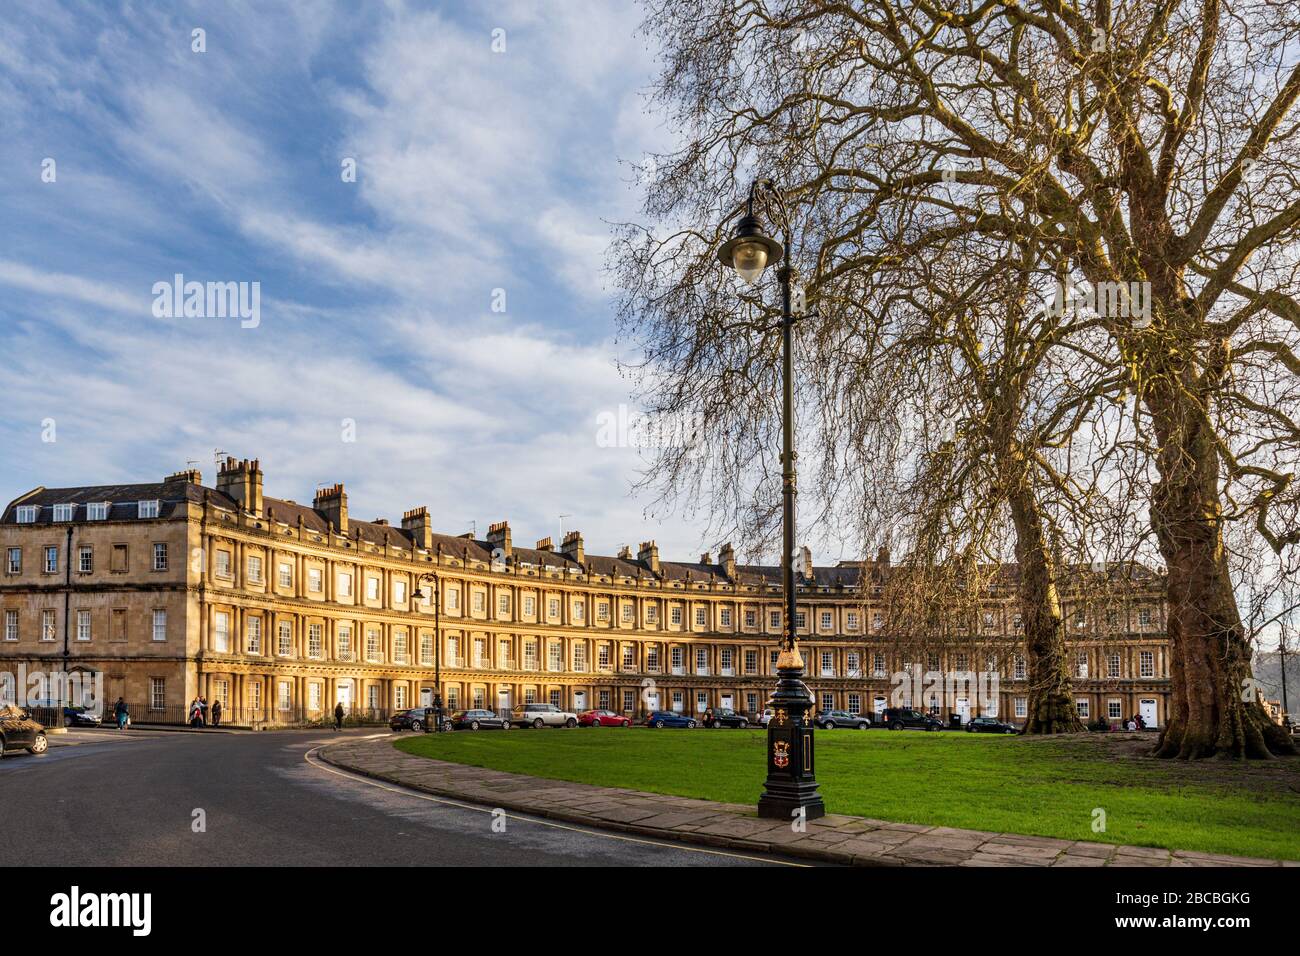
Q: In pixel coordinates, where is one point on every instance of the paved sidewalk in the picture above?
(835, 838)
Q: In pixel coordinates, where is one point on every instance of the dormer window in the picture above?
(147, 509)
(64, 512)
(97, 511)
(27, 514)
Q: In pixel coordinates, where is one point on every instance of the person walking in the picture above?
(216, 713)
(121, 713)
(203, 709)
(338, 716)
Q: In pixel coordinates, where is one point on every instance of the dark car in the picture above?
(19, 732)
(904, 718)
(830, 719)
(479, 720)
(72, 715)
(989, 725)
(417, 718)
(725, 717)
(667, 718)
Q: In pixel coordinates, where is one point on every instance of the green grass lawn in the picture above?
(1047, 787)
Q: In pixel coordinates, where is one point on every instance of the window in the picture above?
(1081, 664)
(675, 616)
(855, 666)
(701, 660)
(652, 658)
(11, 625)
(828, 664)
(64, 512)
(603, 700)
(285, 644)
(1112, 620)
(147, 509)
(315, 580)
(426, 648)
(724, 661)
(480, 602)
(678, 702)
(800, 619)
(826, 620)
(286, 575)
(701, 702)
(877, 621)
(27, 514)
(553, 608)
(1144, 616)
(372, 589)
(1114, 709)
(159, 624)
(852, 620)
(1018, 668)
(1021, 707)
(399, 696)
(286, 698)
(602, 611)
(651, 613)
(774, 621)
(315, 641)
(701, 617)
(1112, 665)
(855, 704)
(223, 564)
(85, 559)
(1017, 622)
(530, 607)
(47, 625)
(254, 635)
(372, 644)
(1080, 617)
(399, 592)
(628, 612)
(751, 618)
(160, 556)
(157, 693)
(602, 657)
(988, 620)
(503, 603)
(751, 662)
(83, 625)
(1081, 705)
(751, 703)
(15, 562)
(580, 656)
(675, 659)
(345, 643)
(221, 639)
(453, 599)
(878, 665)
(530, 655)
(629, 700)
(828, 701)
(399, 647)
(1146, 664)
(629, 657)
(314, 696)
(51, 560)
(555, 658)
(97, 511)
(345, 584)
(554, 698)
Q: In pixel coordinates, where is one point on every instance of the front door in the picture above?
(1147, 708)
(879, 704)
(963, 709)
(503, 703)
(726, 702)
(426, 696)
(345, 696)
(579, 700)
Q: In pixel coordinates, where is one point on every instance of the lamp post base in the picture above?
(791, 786)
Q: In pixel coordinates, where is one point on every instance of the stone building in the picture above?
(278, 609)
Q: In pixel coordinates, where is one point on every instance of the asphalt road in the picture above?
(100, 798)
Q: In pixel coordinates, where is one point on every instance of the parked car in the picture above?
(72, 715)
(830, 719)
(414, 719)
(602, 718)
(725, 717)
(989, 725)
(667, 718)
(19, 732)
(479, 720)
(765, 717)
(542, 715)
(899, 718)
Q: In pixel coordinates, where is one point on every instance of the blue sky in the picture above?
(477, 170)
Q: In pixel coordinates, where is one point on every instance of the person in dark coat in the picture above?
(121, 713)
(338, 716)
(216, 713)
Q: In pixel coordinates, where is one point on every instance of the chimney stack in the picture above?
(625, 553)
(332, 504)
(806, 563)
(727, 558)
(417, 522)
(706, 558)
(882, 557)
(242, 480)
(544, 545)
(571, 546)
(648, 554)
(190, 476)
(498, 537)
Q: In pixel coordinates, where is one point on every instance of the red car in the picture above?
(602, 718)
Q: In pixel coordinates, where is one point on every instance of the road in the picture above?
(100, 798)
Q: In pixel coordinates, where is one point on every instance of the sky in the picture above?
(435, 329)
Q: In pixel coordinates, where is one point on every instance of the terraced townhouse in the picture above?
(280, 610)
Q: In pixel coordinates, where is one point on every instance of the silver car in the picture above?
(542, 715)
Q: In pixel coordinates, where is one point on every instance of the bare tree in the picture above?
(1150, 147)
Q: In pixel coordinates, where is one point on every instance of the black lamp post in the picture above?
(791, 785)
(432, 577)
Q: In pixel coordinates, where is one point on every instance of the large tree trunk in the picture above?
(1214, 710)
(1051, 703)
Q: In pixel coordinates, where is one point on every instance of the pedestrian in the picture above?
(216, 713)
(121, 713)
(338, 716)
(196, 713)
(203, 709)
(708, 717)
